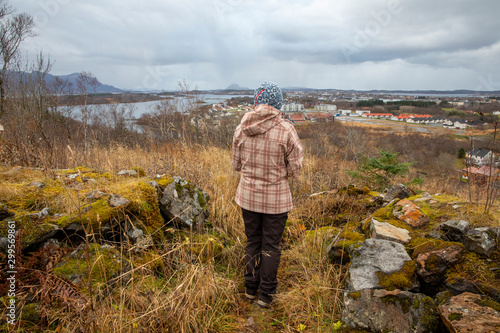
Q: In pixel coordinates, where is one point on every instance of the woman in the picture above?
(267, 151)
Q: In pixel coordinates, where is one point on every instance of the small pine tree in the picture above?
(461, 153)
(379, 171)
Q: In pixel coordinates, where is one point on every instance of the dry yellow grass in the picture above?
(174, 289)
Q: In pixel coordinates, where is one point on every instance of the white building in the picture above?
(326, 107)
(344, 112)
(292, 107)
(361, 112)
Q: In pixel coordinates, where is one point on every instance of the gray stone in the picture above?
(127, 173)
(425, 197)
(156, 186)
(397, 191)
(4, 242)
(479, 240)
(37, 184)
(375, 255)
(455, 230)
(383, 230)
(73, 176)
(118, 201)
(41, 214)
(435, 234)
(140, 240)
(184, 203)
(95, 195)
(390, 311)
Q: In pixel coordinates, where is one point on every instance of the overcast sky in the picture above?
(341, 44)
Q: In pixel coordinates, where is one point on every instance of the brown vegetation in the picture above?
(178, 286)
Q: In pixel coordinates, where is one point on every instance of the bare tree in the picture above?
(13, 30)
(85, 82)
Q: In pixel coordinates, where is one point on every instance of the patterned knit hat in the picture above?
(268, 93)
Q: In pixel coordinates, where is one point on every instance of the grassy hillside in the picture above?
(191, 281)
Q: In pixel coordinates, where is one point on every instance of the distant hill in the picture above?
(72, 80)
(234, 86)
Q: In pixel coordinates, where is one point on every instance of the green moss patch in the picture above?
(488, 302)
(403, 279)
(455, 316)
(103, 264)
(203, 246)
(473, 268)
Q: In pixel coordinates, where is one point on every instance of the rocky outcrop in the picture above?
(102, 213)
(184, 203)
(469, 312)
(384, 294)
(390, 311)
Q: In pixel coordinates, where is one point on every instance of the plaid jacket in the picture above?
(267, 151)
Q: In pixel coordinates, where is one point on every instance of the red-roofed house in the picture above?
(481, 175)
(320, 117)
(379, 115)
(297, 118)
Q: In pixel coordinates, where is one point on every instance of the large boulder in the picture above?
(378, 263)
(184, 204)
(469, 312)
(390, 311)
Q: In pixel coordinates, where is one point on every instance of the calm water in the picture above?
(138, 109)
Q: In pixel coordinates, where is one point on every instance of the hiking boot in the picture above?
(250, 294)
(265, 301)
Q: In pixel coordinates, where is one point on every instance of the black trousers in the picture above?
(263, 252)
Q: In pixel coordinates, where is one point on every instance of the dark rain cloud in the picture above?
(337, 44)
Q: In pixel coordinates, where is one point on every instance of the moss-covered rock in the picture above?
(103, 264)
(82, 206)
